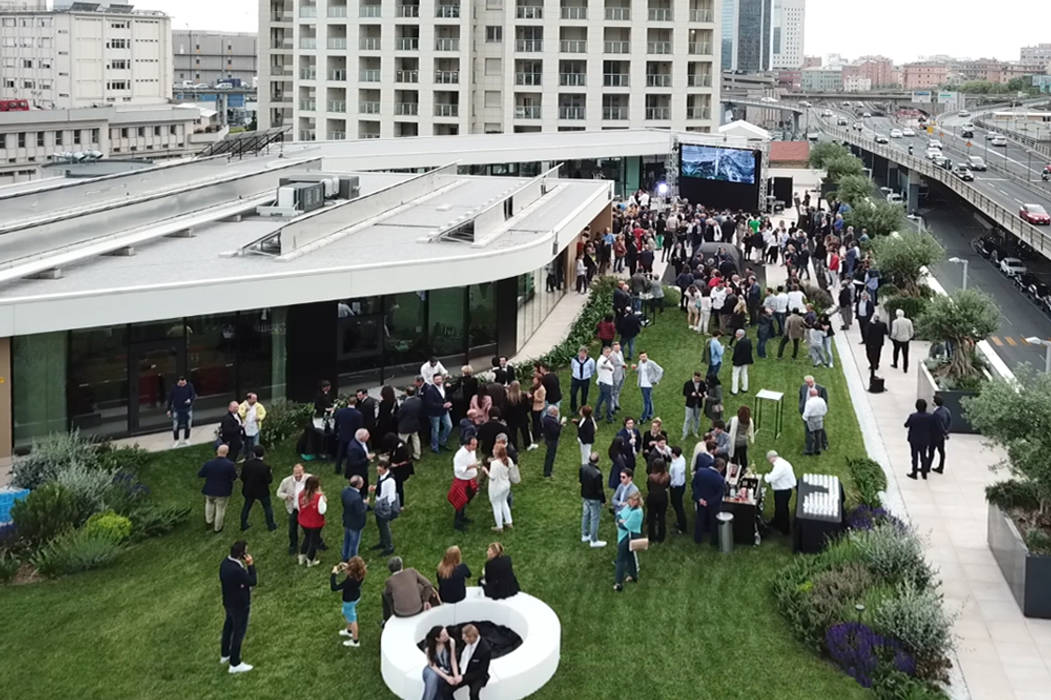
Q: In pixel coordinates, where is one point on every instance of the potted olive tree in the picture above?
(955, 325)
(1016, 416)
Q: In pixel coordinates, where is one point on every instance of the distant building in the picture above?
(856, 83)
(878, 69)
(85, 55)
(211, 57)
(789, 20)
(924, 75)
(811, 61)
(987, 69)
(823, 79)
(1041, 53)
(747, 35)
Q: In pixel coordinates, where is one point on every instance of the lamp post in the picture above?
(918, 220)
(961, 261)
(1047, 356)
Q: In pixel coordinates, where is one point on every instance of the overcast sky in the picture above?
(901, 29)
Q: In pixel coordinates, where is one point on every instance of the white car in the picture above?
(857, 126)
(894, 198)
(896, 133)
(1013, 267)
(880, 138)
(932, 153)
(865, 115)
(999, 141)
(991, 135)
(908, 132)
(827, 113)
(963, 113)
(804, 103)
(940, 160)
(934, 143)
(768, 99)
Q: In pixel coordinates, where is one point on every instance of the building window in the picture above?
(124, 132)
(494, 34)
(142, 131)
(76, 137)
(94, 135)
(171, 130)
(40, 138)
(21, 139)
(39, 402)
(60, 138)
(156, 131)
(27, 63)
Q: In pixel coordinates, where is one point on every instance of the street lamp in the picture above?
(1047, 344)
(961, 261)
(918, 220)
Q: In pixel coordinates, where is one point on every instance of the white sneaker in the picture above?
(302, 559)
(585, 539)
(532, 447)
(313, 563)
(241, 668)
(344, 632)
(598, 544)
(224, 659)
(352, 643)
(176, 444)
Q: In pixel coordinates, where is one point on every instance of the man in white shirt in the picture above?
(814, 412)
(780, 309)
(475, 658)
(288, 491)
(650, 375)
(677, 472)
(796, 300)
(901, 332)
(616, 356)
(432, 367)
(581, 369)
(465, 471)
(252, 414)
(782, 480)
(604, 370)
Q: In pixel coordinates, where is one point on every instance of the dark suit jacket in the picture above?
(551, 427)
(743, 352)
(237, 582)
(500, 581)
(409, 415)
(709, 485)
(230, 430)
(478, 666)
(804, 394)
(433, 403)
(219, 475)
(691, 400)
(256, 477)
(487, 433)
(922, 428)
(367, 408)
(348, 421)
(504, 375)
(876, 336)
(353, 509)
(357, 460)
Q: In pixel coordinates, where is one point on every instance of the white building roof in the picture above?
(744, 130)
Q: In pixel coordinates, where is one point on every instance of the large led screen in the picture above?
(715, 163)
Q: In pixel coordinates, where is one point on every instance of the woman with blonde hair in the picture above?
(354, 568)
(498, 580)
(518, 407)
(629, 527)
(742, 433)
(499, 472)
(539, 396)
(452, 576)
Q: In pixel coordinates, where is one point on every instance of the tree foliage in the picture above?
(843, 166)
(853, 189)
(900, 258)
(878, 217)
(961, 322)
(821, 153)
(1017, 417)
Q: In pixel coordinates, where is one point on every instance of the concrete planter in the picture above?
(1027, 575)
(927, 388)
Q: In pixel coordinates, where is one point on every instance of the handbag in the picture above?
(514, 475)
(638, 544)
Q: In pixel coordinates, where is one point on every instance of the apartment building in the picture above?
(924, 75)
(788, 33)
(210, 57)
(85, 55)
(348, 69)
(30, 140)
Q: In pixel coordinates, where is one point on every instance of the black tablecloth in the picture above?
(812, 532)
(744, 521)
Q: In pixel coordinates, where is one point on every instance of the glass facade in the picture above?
(538, 292)
(38, 401)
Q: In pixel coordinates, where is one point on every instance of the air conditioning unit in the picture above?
(336, 186)
(296, 198)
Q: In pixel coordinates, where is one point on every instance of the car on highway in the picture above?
(894, 198)
(999, 141)
(880, 138)
(1012, 267)
(1034, 214)
(963, 113)
(988, 248)
(813, 136)
(1045, 174)
(804, 103)
(976, 163)
(865, 115)
(939, 160)
(767, 98)
(932, 153)
(857, 126)
(842, 121)
(989, 135)
(908, 132)
(895, 133)
(934, 143)
(963, 172)
(826, 113)
(967, 133)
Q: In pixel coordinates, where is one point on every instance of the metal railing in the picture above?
(446, 44)
(615, 113)
(702, 80)
(698, 113)
(407, 10)
(406, 76)
(308, 105)
(660, 14)
(337, 135)
(575, 12)
(658, 80)
(572, 79)
(337, 106)
(407, 108)
(369, 75)
(618, 13)
(528, 78)
(308, 11)
(570, 112)
(701, 48)
(527, 111)
(307, 73)
(407, 43)
(368, 107)
(615, 79)
(370, 10)
(447, 10)
(446, 77)
(702, 15)
(369, 43)
(529, 45)
(337, 11)
(446, 110)
(338, 75)
(573, 46)
(658, 113)
(529, 12)
(1039, 145)
(658, 47)
(337, 43)
(305, 43)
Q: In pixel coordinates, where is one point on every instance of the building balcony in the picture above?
(368, 108)
(370, 43)
(447, 77)
(307, 11)
(337, 43)
(339, 75)
(447, 11)
(615, 79)
(529, 45)
(307, 73)
(337, 11)
(575, 12)
(699, 80)
(407, 10)
(407, 108)
(280, 72)
(528, 78)
(370, 10)
(573, 46)
(446, 44)
(618, 14)
(281, 17)
(702, 15)
(305, 43)
(658, 80)
(658, 47)
(406, 76)
(616, 46)
(529, 12)
(614, 113)
(307, 135)
(282, 44)
(308, 105)
(370, 75)
(572, 79)
(407, 43)
(658, 113)
(660, 14)
(571, 113)
(337, 135)
(527, 111)
(698, 113)
(446, 110)
(702, 48)
(337, 105)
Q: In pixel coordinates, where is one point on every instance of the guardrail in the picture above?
(1042, 147)
(999, 214)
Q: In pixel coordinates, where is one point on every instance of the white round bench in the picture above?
(516, 675)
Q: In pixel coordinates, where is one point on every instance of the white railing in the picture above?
(369, 75)
(616, 46)
(368, 107)
(337, 43)
(446, 110)
(660, 14)
(337, 106)
(573, 46)
(370, 10)
(528, 78)
(658, 47)
(570, 112)
(529, 12)
(658, 113)
(529, 45)
(701, 15)
(615, 113)
(407, 108)
(527, 111)
(408, 43)
(446, 76)
(407, 11)
(574, 12)
(446, 44)
(615, 79)
(337, 11)
(618, 13)
(572, 79)
(658, 80)
(406, 76)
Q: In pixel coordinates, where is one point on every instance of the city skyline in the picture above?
(929, 29)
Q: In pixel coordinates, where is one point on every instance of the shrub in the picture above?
(916, 618)
(914, 307)
(672, 296)
(817, 296)
(869, 480)
(116, 527)
(46, 512)
(1013, 493)
(792, 589)
(865, 518)
(76, 550)
(9, 566)
(834, 595)
(90, 487)
(49, 456)
(896, 685)
(151, 520)
(893, 553)
(865, 655)
(902, 258)
(1038, 542)
(116, 459)
(583, 331)
(125, 492)
(284, 419)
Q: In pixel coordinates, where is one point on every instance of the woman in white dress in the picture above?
(499, 472)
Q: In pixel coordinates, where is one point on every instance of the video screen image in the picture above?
(715, 163)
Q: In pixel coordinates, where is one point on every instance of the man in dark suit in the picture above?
(551, 427)
(804, 392)
(475, 657)
(503, 373)
(410, 420)
(943, 424)
(864, 311)
(231, 431)
(708, 489)
(488, 431)
(874, 340)
(694, 391)
(742, 357)
(358, 458)
(256, 478)
(621, 299)
(348, 421)
(237, 576)
(368, 407)
(922, 429)
(219, 475)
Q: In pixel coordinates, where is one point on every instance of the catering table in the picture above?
(813, 530)
(777, 398)
(747, 511)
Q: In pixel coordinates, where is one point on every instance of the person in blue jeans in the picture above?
(629, 526)
(649, 375)
(354, 509)
(630, 327)
(715, 352)
(436, 406)
(604, 371)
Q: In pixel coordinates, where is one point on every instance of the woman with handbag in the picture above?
(629, 527)
(499, 473)
(386, 506)
(400, 463)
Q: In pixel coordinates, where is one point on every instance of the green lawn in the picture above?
(699, 625)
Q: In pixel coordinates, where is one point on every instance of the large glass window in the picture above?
(404, 331)
(39, 401)
(360, 334)
(445, 316)
(97, 388)
(211, 363)
(255, 330)
(482, 310)
(538, 292)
